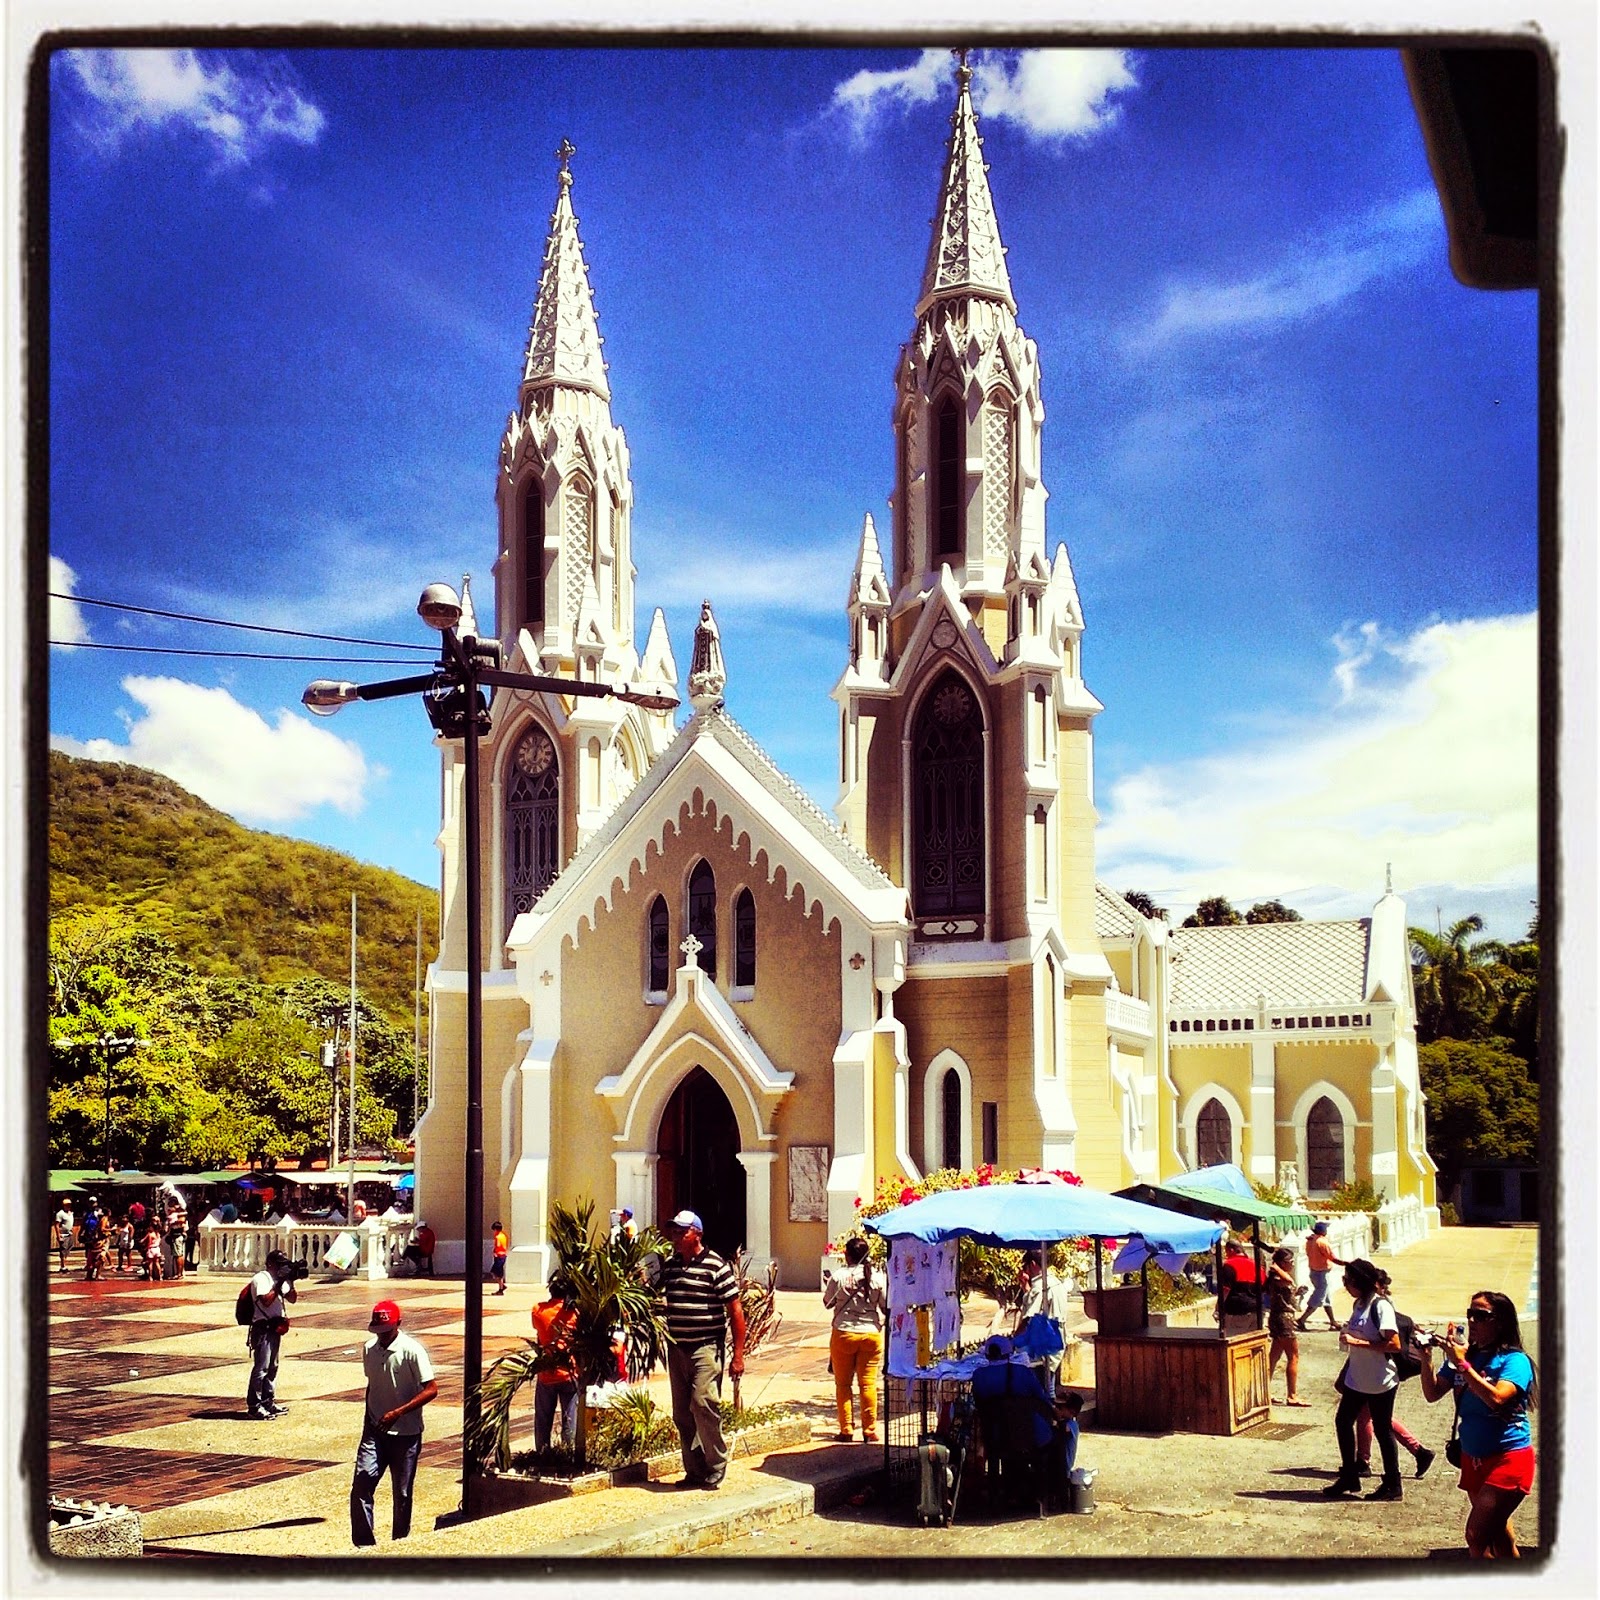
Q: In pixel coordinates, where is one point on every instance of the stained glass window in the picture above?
(948, 801)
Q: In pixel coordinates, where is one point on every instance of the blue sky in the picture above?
(1293, 460)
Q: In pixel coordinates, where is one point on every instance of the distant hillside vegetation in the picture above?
(233, 901)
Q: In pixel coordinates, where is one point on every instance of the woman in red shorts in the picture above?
(1495, 1387)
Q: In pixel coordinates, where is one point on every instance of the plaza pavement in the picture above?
(146, 1408)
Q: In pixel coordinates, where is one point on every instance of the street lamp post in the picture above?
(457, 709)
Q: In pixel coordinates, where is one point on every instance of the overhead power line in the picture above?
(222, 622)
(234, 655)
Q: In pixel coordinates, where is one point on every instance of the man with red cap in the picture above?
(400, 1383)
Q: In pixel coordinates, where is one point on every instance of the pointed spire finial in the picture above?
(1388, 877)
(565, 151)
(564, 334)
(965, 255)
(467, 627)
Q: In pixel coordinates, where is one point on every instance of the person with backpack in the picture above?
(268, 1292)
(1408, 1364)
(92, 1231)
(1494, 1385)
(1371, 1339)
(855, 1347)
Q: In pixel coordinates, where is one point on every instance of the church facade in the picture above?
(701, 990)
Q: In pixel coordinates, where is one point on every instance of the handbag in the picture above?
(1452, 1445)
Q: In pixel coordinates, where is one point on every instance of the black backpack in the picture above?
(91, 1226)
(1408, 1358)
(244, 1308)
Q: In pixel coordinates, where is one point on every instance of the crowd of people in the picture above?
(156, 1242)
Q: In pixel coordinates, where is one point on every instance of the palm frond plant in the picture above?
(607, 1293)
(760, 1301)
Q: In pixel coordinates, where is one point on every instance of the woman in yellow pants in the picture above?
(856, 1296)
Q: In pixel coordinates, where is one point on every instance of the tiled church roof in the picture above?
(1114, 918)
(1290, 963)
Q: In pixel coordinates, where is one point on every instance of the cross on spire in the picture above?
(565, 151)
(963, 71)
(692, 947)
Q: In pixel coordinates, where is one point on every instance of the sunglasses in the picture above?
(1477, 1314)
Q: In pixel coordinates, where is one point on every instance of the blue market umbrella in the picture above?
(1041, 1213)
(407, 1182)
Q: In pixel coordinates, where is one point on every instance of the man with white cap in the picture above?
(400, 1383)
(702, 1302)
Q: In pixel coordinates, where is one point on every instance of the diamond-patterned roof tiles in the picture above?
(1114, 918)
(1289, 963)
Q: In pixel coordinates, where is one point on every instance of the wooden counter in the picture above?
(1180, 1380)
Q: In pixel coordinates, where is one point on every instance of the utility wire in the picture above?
(234, 655)
(219, 622)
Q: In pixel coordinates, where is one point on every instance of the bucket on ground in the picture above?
(1080, 1491)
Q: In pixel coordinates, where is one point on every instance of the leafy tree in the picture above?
(1482, 1104)
(1270, 911)
(1213, 913)
(1145, 905)
(1454, 978)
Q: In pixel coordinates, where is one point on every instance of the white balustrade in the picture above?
(1126, 1014)
(241, 1247)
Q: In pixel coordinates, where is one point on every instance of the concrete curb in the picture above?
(718, 1517)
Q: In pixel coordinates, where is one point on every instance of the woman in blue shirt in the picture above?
(1495, 1386)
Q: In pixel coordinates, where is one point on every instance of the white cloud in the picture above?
(66, 616)
(232, 756)
(1049, 94)
(1310, 278)
(1428, 760)
(237, 109)
(1053, 94)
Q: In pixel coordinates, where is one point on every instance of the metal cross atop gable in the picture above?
(692, 947)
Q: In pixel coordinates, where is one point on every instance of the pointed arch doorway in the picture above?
(698, 1165)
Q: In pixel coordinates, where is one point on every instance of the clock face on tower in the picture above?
(534, 755)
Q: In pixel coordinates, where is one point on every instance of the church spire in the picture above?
(564, 336)
(965, 256)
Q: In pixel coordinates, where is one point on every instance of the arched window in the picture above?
(533, 556)
(902, 500)
(703, 916)
(950, 1119)
(1213, 1135)
(660, 959)
(947, 478)
(744, 940)
(1324, 1146)
(533, 815)
(947, 782)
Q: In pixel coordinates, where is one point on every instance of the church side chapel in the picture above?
(700, 990)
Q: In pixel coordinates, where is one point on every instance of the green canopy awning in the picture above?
(181, 1178)
(1237, 1210)
(63, 1180)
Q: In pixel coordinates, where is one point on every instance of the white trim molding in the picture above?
(1194, 1105)
(933, 1110)
(1297, 1118)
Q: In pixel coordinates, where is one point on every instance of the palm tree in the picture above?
(1454, 978)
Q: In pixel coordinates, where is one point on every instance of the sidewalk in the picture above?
(146, 1408)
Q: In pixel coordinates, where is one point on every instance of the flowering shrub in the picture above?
(984, 1267)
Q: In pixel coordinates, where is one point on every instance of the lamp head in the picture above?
(326, 696)
(649, 699)
(439, 607)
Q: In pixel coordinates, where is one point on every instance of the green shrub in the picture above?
(1357, 1195)
(1448, 1216)
(1273, 1193)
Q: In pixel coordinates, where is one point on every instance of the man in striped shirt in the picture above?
(702, 1301)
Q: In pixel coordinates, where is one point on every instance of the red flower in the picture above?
(858, 1202)
(983, 1179)
(907, 1196)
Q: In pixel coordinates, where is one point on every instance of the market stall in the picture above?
(924, 1359)
(1194, 1380)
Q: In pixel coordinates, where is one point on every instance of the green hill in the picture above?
(233, 901)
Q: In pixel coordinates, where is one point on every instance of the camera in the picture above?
(1423, 1339)
(293, 1272)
